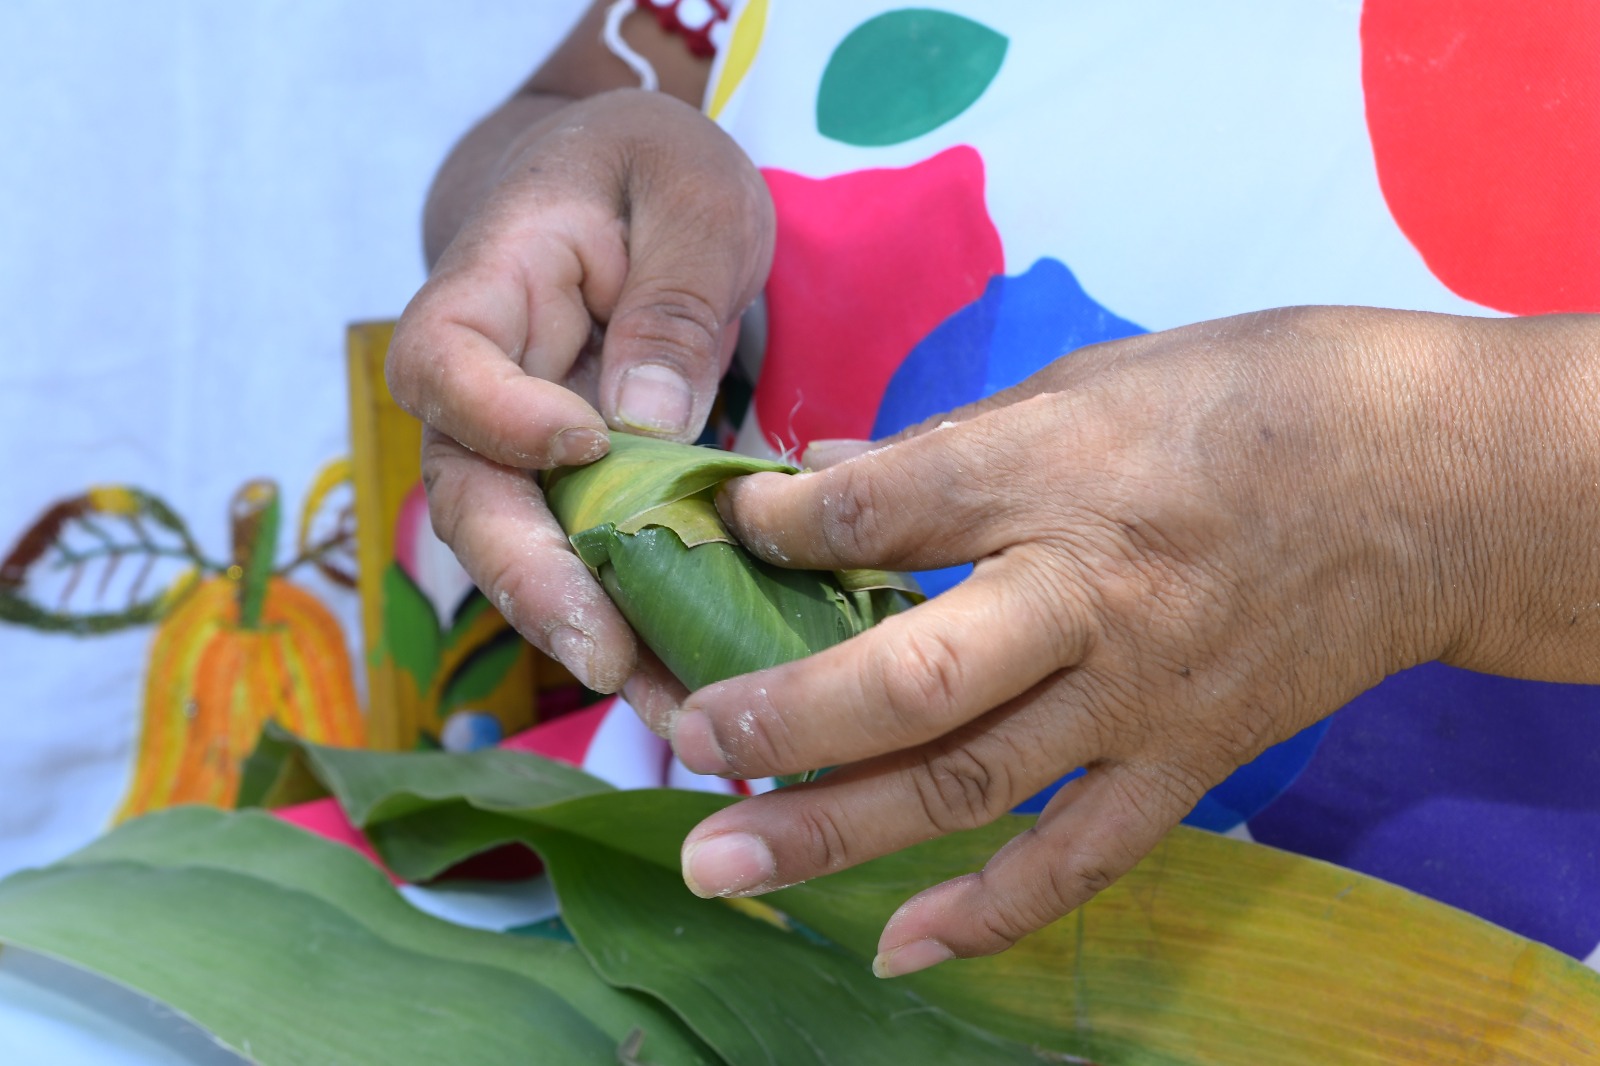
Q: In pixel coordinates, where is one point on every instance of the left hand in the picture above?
(1188, 547)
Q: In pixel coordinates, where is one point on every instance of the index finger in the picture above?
(948, 496)
(912, 678)
(461, 354)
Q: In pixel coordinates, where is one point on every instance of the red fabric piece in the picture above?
(1485, 124)
(567, 739)
(696, 38)
(866, 264)
(325, 818)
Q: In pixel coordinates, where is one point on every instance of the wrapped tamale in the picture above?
(644, 520)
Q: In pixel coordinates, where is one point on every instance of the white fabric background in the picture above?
(195, 198)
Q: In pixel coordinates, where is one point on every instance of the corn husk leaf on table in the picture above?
(1211, 951)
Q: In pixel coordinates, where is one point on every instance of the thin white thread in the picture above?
(611, 37)
(786, 454)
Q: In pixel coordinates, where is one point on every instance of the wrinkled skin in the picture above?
(1189, 545)
(629, 216)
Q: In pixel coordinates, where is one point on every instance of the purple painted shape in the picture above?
(1479, 791)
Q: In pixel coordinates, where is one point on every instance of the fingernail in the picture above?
(695, 743)
(727, 864)
(820, 453)
(655, 398)
(574, 447)
(909, 958)
(575, 651)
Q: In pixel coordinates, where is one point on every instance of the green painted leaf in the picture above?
(261, 552)
(411, 634)
(481, 672)
(905, 73)
(468, 610)
(102, 528)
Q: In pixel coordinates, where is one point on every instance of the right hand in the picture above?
(598, 284)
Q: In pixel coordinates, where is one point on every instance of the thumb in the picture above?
(928, 501)
(664, 353)
(670, 336)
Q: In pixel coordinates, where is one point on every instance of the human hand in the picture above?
(1188, 546)
(599, 283)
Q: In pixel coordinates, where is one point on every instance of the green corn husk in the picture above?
(644, 521)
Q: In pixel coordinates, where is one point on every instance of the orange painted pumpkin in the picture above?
(236, 652)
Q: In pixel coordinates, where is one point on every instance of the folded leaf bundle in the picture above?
(644, 520)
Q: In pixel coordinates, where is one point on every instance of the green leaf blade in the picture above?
(188, 937)
(758, 994)
(638, 474)
(644, 520)
(709, 612)
(263, 848)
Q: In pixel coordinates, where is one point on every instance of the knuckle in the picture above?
(761, 743)
(920, 675)
(960, 789)
(1245, 731)
(676, 324)
(1161, 794)
(852, 514)
(412, 362)
(1010, 917)
(1058, 888)
(398, 364)
(1056, 613)
(1072, 883)
(445, 492)
(501, 583)
(1080, 879)
(823, 841)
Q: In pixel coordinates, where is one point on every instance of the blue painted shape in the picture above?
(470, 731)
(1482, 792)
(1018, 326)
(1246, 792)
(1257, 783)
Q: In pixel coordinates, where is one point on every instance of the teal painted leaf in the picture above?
(905, 73)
